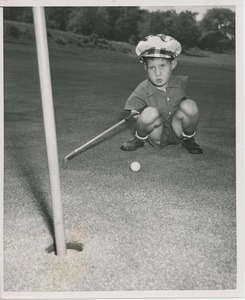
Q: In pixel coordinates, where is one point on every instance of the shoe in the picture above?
(191, 146)
(132, 144)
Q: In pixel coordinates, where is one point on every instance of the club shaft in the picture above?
(76, 151)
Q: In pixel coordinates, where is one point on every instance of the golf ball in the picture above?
(135, 166)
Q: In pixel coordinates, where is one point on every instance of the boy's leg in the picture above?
(185, 122)
(149, 124)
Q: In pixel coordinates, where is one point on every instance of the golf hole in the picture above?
(69, 246)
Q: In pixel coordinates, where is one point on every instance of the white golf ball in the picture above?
(135, 166)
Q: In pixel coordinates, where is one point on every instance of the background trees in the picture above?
(21, 14)
(158, 22)
(58, 17)
(89, 20)
(215, 32)
(123, 23)
(187, 29)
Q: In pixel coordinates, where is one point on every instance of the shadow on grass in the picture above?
(35, 185)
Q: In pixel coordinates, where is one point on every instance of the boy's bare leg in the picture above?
(186, 118)
(150, 124)
(185, 122)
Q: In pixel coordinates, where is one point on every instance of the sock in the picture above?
(142, 138)
(188, 136)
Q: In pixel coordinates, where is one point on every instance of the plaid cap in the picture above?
(160, 45)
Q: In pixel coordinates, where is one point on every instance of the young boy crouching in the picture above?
(170, 116)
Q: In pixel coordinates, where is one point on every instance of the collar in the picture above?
(173, 83)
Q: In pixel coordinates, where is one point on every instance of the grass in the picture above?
(170, 226)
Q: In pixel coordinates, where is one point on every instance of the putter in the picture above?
(78, 150)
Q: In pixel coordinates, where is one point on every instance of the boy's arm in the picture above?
(136, 105)
(136, 113)
(135, 101)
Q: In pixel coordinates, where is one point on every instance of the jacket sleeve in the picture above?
(137, 99)
(134, 102)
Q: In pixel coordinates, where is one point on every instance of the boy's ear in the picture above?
(173, 64)
(145, 66)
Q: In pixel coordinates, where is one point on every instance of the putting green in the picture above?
(170, 226)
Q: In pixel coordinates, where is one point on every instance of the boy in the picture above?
(170, 117)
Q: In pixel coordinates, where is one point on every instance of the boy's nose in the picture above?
(158, 72)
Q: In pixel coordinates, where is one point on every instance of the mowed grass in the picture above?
(91, 86)
(172, 225)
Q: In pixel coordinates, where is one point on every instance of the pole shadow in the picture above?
(34, 183)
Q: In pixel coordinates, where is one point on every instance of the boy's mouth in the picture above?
(158, 80)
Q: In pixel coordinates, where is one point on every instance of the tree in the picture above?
(187, 30)
(89, 20)
(182, 27)
(21, 14)
(123, 23)
(114, 14)
(58, 17)
(158, 22)
(218, 30)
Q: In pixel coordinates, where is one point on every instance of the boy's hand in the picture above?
(135, 113)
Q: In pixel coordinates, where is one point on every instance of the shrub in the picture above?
(28, 35)
(73, 41)
(11, 31)
(133, 40)
(61, 40)
(49, 34)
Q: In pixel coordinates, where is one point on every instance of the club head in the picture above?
(65, 162)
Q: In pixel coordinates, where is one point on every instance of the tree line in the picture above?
(215, 32)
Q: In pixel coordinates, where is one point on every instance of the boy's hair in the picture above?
(145, 59)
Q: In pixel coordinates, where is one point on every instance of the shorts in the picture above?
(168, 137)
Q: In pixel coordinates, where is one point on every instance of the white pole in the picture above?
(49, 125)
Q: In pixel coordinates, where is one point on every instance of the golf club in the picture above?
(78, 150)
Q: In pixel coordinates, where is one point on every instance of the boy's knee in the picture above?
(189, 107)
(150, 115)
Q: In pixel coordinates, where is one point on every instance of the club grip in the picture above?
(133, 115)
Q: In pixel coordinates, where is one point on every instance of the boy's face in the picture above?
(159, 70)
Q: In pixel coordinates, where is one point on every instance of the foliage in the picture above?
(19, 32)
(157, 22)
(12, 31)
(182, 26)
(58, 17)
(22, 14)
(215, 32)
(187, 30)
(123, 23)
(89, 20)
